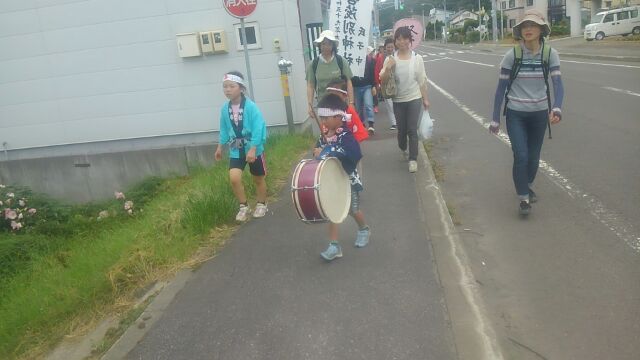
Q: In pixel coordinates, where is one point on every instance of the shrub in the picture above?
(472, 36)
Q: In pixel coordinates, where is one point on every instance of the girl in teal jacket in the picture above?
(243, 129)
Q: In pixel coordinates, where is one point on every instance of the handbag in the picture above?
(388, 87)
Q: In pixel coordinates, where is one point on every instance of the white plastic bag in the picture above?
(425, 128)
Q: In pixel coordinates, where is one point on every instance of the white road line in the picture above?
(435, 59)
(472, 62)
(620, 227)
(432, 54)
(442, 53)
(602, 64)
(621, 90)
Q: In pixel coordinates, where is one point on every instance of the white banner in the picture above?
(351, 21)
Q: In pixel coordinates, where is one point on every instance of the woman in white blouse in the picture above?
(411, 92)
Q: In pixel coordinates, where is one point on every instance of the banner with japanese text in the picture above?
(351, 21)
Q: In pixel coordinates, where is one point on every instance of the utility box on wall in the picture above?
(206, 42)
(219, 42)
(188, 44)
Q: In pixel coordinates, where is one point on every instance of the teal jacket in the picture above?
(254, 129)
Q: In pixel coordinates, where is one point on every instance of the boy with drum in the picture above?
(339, 142)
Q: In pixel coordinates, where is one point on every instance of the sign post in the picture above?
(241, 9)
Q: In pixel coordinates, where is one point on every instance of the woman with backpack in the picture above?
(524, 85)
(326, 67)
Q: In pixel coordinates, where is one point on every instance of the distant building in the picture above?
(458, 19)
(439, 15)
(554, 10)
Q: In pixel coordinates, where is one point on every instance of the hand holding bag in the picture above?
(425, 129)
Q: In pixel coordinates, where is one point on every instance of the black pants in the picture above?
(407, 117)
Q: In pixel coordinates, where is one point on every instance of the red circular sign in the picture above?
(240, 8)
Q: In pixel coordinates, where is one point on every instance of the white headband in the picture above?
(330, 112)
(234, 78)
(336, 89)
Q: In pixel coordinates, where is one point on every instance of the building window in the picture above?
(253, 36)
(504, 5)
(607, 4)
(512, 23)
(529, 2)
(512, 4)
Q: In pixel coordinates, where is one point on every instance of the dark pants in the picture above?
(526, 132)
(407, 117)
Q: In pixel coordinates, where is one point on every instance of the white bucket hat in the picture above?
(533, 16)
(327, 34)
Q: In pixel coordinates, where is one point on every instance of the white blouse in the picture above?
(408, 80)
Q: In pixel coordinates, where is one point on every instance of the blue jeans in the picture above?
(526, 132)
(364, 104)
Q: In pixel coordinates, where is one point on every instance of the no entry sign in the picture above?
(240, 8)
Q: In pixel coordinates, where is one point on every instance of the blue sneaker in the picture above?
(333, 251)
(363, 237)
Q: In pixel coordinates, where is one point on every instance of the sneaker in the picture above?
(362, 239)
(532, 196)
(260, 211)
(333, 251)
(413, 166)
(243, 213)
(393, 127)
(371, 130)
(525, 208)
(375, 109)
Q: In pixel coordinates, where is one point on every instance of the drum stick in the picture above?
(315, 117)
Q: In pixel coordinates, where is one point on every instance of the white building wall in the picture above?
(82, 76)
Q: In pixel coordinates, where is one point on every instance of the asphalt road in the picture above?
(269, 295)
(564, 283)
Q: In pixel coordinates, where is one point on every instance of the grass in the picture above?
(438, 169)
(95, 267)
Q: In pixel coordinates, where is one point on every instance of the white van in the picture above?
(623, 21)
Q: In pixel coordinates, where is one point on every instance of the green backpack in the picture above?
(545, 55)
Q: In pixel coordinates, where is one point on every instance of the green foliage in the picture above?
(470, 25)
(472, 37)
(82, 265)
(561, 28)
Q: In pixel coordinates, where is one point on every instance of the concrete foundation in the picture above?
(91, 177)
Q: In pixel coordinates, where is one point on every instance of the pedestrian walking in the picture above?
(385, 51)
(243, 129)
(524, 86)
(365, 90)
(326, 67)
(340, 143)
(411, 92)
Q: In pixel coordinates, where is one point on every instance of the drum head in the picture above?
(335, 190)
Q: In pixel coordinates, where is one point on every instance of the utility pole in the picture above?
(445, 35)
(495, 21)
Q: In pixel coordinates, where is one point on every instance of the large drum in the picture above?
(321, 191)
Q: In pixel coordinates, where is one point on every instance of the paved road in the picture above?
(563, 284)
(269, 295)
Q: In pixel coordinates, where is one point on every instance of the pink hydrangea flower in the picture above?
(21, 203)
(103, 214)
(16, 225)
(32, 211)
(119, 195)
(10, 214)
(20, 216)
(128, 205)
(11, 195)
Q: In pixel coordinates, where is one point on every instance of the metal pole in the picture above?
(495, 21)
(446, 28)
(502, 22)
(243, 34)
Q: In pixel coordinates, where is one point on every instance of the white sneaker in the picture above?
(260, 211)
(243, 213)
(413, 166)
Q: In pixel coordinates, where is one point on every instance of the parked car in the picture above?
(623, 21)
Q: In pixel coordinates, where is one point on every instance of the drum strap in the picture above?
(237, 128)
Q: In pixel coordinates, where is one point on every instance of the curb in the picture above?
(473, 334)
